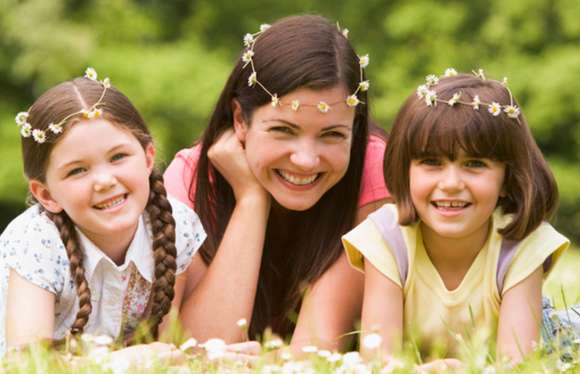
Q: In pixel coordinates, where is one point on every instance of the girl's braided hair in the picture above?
(57, 103)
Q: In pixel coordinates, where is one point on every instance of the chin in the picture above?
(296, 205)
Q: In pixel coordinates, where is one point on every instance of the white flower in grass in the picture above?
(252, 79)
(247, 56)
(295, 105)
(274, 343)
(454, 99)
(21, 118)
(431, 80)
(99, 354)
(364, 61)
(392, 365)
(242, 322)
(351, 358)
(271, 369)
(563, 366)
(248, 40)
(324, 353)
(103, 340)
(215, 348)
(489, 370)
(372, 341)
(431, 98)
(275, 100)
(494, 108)
(188, 344)
(286, 356)
(422, 91)
(264, 27)
(335, 357)
(364, 85)
(323, 107)
(309, 349)
(475, 103)
(39, 136)
(352, 101)
(107, 82)
(26, 130)
(450, 72)
(512, 111)
(91, 74)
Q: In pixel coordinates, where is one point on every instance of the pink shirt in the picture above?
(178, 175)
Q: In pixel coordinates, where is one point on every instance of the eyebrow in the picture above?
(297, 127)
(110, 150)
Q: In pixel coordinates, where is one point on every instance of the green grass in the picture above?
(563, 287)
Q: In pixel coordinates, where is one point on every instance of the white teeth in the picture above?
(112, 203)
(300, 181)
(450, 204)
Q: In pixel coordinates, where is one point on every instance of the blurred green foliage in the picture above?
(172, 59)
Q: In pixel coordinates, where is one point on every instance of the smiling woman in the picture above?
(286, 165)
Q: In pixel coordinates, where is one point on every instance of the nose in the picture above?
(305, 157)
(103, 181)
(451, 179)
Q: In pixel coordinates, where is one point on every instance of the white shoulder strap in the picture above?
(386, 222)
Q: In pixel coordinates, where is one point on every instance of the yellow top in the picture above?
(437, 314)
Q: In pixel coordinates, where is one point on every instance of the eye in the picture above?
(75, 171)
(475, 163)
(430, 161)
(282, 130)
(334, 134)
(118, 156)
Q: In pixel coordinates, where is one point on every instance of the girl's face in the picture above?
(98, 173)
(299, 155)
(455, 199)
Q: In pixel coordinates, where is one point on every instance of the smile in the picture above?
(454, 204)
(111, 203)
(297, 180)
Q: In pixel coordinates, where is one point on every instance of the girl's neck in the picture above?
(452, 257)
(115, 246)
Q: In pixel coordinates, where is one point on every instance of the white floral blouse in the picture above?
(32, 247)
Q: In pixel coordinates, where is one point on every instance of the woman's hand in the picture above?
(228, 156)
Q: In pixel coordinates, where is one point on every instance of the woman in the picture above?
(276, 179)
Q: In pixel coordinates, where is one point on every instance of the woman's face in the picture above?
(299, 155)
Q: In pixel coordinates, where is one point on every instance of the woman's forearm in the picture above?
(227, 290)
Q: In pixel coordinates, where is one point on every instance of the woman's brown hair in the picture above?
(531, 194)
(295, 52)
(58, 103)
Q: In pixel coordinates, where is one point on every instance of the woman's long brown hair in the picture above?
(295, 52)
(57, 103)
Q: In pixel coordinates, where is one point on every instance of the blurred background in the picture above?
(171, 58)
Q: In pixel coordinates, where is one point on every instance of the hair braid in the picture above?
(164, 251)
(69, 237)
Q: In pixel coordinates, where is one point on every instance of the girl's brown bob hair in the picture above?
(531, 194)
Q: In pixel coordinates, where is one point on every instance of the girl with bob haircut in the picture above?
(467, 243)
(285, 167)
(103, 249)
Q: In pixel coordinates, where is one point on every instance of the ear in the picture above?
(43, 196)
(240, 125)
(150, 157)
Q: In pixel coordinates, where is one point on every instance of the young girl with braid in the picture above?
(103, 248)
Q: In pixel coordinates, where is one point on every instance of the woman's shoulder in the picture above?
(178, 177)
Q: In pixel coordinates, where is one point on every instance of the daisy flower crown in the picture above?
(94, 111)
(351, 100)
(427, 93)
